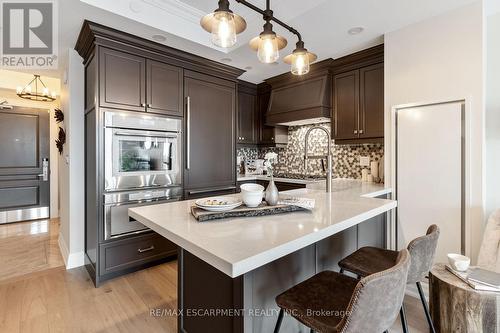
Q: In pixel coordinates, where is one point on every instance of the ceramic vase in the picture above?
(272, 193)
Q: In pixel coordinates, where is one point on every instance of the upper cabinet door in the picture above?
(371, 122)
(346, 107)
(123, 80)
(164, 89)
(210, 131)
(247, 118)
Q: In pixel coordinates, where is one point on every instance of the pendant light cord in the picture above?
(269, 13)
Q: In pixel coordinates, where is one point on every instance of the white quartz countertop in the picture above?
(236, 246)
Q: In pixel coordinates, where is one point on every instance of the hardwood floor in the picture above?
(37, 293)
(29, 247)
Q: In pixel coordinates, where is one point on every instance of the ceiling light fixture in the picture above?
(224, 25)
(35, 95)
(355, 30)
(267, 44)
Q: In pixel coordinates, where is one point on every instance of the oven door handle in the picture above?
(168, 136)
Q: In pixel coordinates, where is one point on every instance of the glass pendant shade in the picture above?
(223, 29)
(268, 51)
(300, 63)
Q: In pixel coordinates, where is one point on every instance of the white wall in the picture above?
(9, 80)
(441, 59)
(71, 164)
(492, 122)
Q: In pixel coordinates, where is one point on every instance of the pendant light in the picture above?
(300, 59)
(268, 44)
(223, 25)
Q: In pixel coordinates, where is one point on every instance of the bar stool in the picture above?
(369, 260)
(330, 302)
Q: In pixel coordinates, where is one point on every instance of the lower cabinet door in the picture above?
(131, 252)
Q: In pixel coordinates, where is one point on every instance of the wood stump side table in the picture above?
(456, 307)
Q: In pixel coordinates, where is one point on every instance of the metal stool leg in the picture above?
(278, 323)
(404, 323)
(426, 308)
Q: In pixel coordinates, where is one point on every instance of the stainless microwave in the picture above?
(141, 151)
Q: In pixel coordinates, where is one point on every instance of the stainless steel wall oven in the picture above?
(142, 166)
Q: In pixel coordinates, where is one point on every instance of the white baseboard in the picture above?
(71, 260)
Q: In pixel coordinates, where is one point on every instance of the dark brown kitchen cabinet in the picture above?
(137, 84)
(123, 80)
(247, 118)
(164, 88)
(210, 131)
(371, 97)
(358, 103)
(346, 105)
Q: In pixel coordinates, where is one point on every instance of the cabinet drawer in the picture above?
(130, 252)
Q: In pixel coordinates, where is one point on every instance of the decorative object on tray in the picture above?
(252, 194)
(218, 204)
(263, 209)
(305, 203)
(272, 194)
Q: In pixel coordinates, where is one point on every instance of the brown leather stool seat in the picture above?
(331, 302)
(319, 302)
(368, 260)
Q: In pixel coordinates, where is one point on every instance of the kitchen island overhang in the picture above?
(241, 264)
(236, 246)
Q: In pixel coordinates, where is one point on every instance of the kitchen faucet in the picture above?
(328, 156)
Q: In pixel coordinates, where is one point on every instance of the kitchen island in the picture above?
(230, 270)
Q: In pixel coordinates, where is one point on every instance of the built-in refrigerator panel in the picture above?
(429, 174)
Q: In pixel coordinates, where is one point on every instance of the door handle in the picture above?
(188, 132)
(151, 248)
(45, 170)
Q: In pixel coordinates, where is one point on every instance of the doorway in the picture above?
(24, 164)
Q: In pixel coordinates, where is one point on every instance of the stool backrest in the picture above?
(422, 251)
(377, 299)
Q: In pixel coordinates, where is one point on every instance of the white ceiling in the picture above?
(322, 23)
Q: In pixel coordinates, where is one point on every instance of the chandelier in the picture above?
(36, 90)
(224, 25)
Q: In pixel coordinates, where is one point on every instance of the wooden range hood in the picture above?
(301, 100)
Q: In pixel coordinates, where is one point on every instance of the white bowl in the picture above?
(458, 262)
(252, 194)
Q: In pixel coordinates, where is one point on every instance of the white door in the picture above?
(429, 174)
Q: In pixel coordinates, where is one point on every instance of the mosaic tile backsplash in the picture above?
(291, 157)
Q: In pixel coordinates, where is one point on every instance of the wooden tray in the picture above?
(243, 211)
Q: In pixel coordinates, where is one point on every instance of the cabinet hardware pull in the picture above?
(212, 190)
(188, 132)
(142, 104)
(152, 247)
(355, 131)
(360, 131)
(150, 105)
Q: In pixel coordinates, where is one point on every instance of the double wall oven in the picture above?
(142, 166)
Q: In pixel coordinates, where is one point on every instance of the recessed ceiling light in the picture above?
(135, 6)
(159, 38)
(226, 60)
(248, 68)
(355, 30)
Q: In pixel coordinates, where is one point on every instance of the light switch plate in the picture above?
(364, 161)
